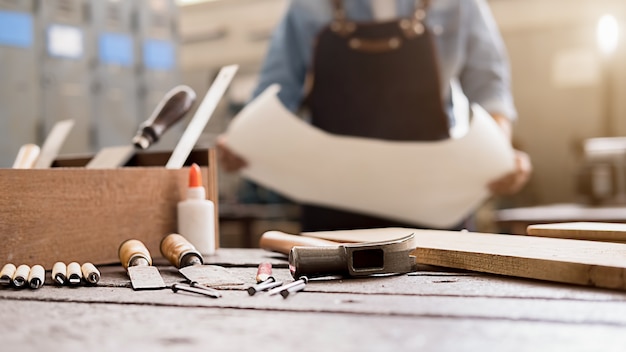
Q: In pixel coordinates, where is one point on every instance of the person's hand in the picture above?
(514, 181)
(227, 159)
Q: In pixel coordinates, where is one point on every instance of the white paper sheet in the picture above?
(436, 184)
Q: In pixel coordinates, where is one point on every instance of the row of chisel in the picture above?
(34, 277)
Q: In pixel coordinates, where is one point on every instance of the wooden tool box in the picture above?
(69, 213)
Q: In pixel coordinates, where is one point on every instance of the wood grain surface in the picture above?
(75, 214)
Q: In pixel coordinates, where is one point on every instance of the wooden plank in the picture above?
(597, 264)
(76, 214)
(593, 231)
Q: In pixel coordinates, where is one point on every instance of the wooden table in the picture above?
(429, 310)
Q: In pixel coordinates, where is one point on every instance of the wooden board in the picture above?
(593, 231)
(75, 214)
(588, 263)
(597, 264)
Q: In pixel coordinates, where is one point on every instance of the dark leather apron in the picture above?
(375, 80)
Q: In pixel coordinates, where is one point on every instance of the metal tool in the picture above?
(352, 260)
(59, 272)
(74, 274)
(36, 277)
(136, 259)
(297, 283)
(171, 109)
(184, 256)
(27, 156)
(296, 287)
(6, 274)
(201, 117)
(268, 284)
(53, 143)
(90, 273)
(20, 278)
(197, 289)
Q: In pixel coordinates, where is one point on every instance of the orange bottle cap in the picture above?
(195, 176)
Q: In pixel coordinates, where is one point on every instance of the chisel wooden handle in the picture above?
(27, 156)
(281, 242)
(59, 273)
(180, 252)
(175, 104)
(90, 273)
(36, 277)
(74, 274)
(134, 253)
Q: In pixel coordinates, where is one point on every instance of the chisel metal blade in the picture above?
(145, 278)
(211, 276)
(136, 259)
(201, 117)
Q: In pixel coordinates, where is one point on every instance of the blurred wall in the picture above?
(562, 85)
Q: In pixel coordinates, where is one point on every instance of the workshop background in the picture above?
(107, 63)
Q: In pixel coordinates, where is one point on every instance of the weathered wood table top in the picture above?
(430, 310)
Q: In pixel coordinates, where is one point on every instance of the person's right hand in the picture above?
(227, 159)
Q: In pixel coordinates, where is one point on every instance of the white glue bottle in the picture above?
(196, 215)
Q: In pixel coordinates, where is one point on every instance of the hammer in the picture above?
(312, 257)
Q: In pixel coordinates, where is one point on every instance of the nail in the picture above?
(302, 279)
(202, 291)
(265, 285)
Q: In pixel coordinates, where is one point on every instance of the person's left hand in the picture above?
(514, 181)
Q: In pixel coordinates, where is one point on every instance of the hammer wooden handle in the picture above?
(281, 242)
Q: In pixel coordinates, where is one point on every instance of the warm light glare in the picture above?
(608, 33)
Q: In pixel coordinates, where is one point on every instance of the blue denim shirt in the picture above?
(467, 40)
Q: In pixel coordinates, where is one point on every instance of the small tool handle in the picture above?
(281, 242)
(133, 253)
(90, 273)
(171, 109)
(20, 278)
(74, 274)
(7, 273)
(37, 276)
(59, 272)
(27, 156)
(179, 251)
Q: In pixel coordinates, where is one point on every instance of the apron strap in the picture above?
(410, 27)
(421, 7)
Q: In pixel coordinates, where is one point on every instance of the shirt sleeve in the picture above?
(287, 57)
(485, 76)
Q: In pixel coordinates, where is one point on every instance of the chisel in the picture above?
(201, 117)
(184, 256)
(171, 109)
(136, 259)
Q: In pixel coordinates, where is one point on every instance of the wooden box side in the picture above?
(76, 214)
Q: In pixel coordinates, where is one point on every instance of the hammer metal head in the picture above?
(354, 260)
